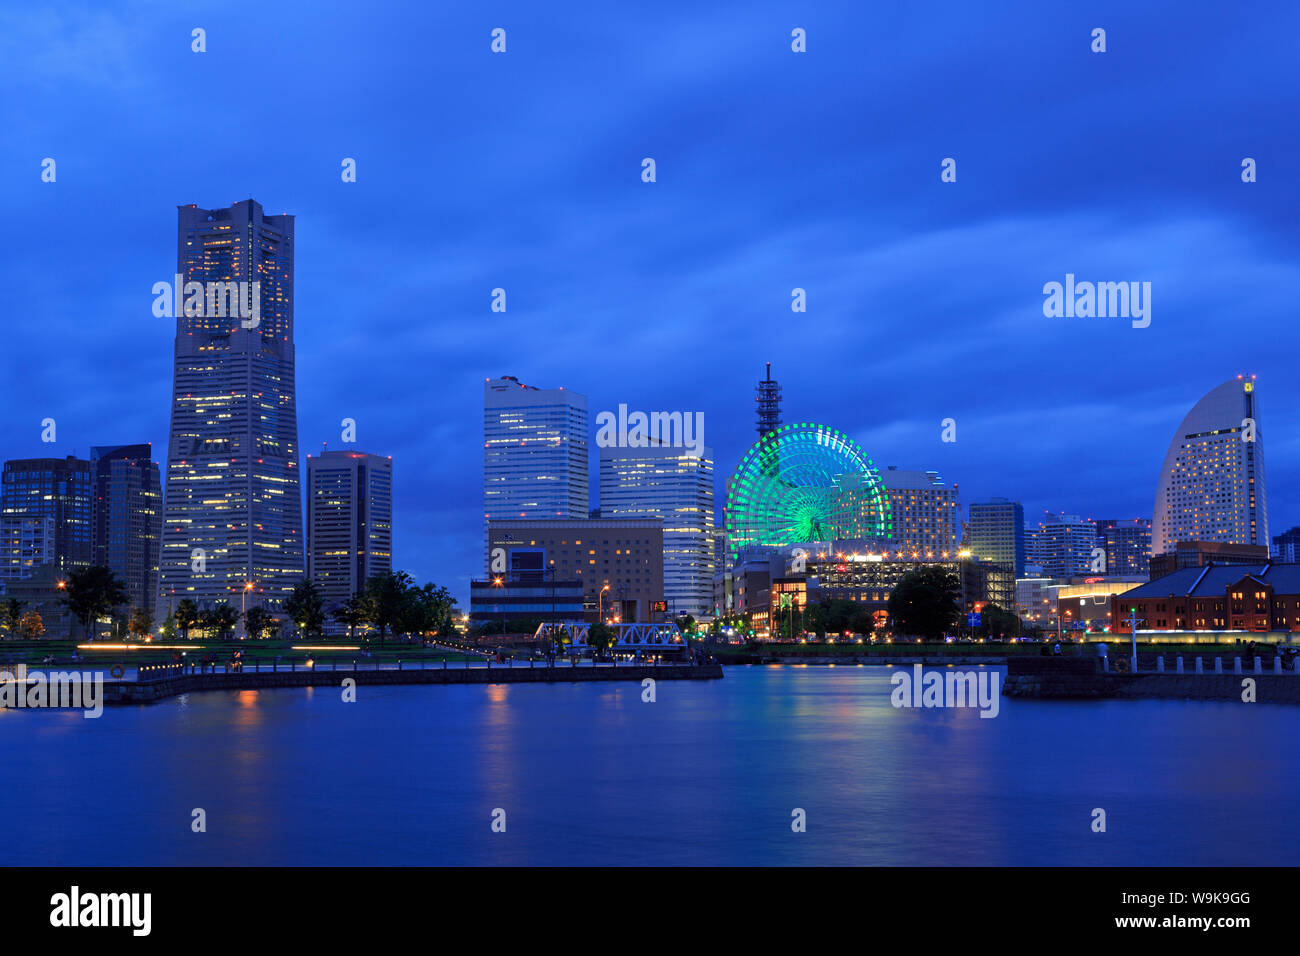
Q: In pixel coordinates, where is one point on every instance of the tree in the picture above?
(92, 592)
(11, 612)
(427, 610)
(997, 623)
(220, 619)
(186, 616)
(600, 639)
(30, 626)
(140, 623)
(306, 608)
(386, 601)
(257, 620)
(167, 629)
(924, 602)
(351, 613)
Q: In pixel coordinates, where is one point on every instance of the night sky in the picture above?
(775, 170)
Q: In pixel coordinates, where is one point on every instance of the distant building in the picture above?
(618, 562)
(1286, 546)
(534, 452)
(126, 519)
(26, 545)
(1086, 604)
(1211, 485)
(1062, 545)
(995, 532)
(675, 487)
(349, 521)
(42, 593)
(57, 489)
(925, 513)
(1197, 554)
(1127, 544)
(1259, 599)
(1034, 603)
(510, 602)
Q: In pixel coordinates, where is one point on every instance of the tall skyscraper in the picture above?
(924, 510)
(349, 521)
(996, 533)
(58, 491)
(1127, 542)
(233, 505)
(1211, 485)
(674, 485)
(126, 518)
(534, 452)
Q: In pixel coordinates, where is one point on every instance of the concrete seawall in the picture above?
(1074, 679)
(148, 691)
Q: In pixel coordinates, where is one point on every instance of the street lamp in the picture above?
(600, 604)
(496, 583)
(243, 605)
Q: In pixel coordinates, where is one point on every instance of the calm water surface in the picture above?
(708, 774)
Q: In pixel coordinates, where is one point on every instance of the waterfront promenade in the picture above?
(154, 682)
(1220, 678)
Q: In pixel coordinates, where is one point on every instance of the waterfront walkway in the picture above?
(155, 682)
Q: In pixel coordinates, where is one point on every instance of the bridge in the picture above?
(662, 639)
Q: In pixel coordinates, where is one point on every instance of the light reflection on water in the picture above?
(709, 774)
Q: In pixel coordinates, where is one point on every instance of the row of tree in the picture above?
(389, 603)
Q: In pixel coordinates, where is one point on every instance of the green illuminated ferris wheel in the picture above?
(805, 482)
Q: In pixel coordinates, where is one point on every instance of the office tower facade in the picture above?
(675, 487)
(26, 545)
(1211, 485)
(995, 532)
(1062, 545)
(534, 452)
(924, 511)
(126, 518)
(1127, 543)
(57, 492)
(618, 563)
(349, 521)
(233, 505)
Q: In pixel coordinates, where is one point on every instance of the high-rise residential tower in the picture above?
(534, 452)
(925, 512)
(1062, 545)
(233, 505)
(674, 485)
(126, 516)
(55, 493)
(349, 521)
(996, 532)
(1211, 485)
(1127, 542)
